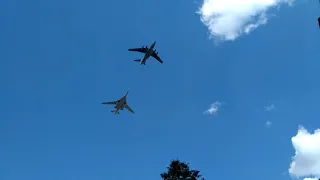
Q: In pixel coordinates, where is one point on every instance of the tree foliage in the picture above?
(180, 171)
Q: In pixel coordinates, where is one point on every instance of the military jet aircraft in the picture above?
(147, 53)
(120, 104)
(319, 21)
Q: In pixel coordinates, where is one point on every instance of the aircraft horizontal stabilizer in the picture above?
(138, 60)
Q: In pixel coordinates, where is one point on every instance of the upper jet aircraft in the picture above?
(319, 21)
(120, 104)
(147, 53)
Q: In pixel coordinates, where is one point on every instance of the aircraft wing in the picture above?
(155, 55)
(128, 107)
(142, 50)
(113, 102)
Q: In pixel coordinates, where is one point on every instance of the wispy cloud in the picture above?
(269, 108)
(306, 162)
(268, 124)
(228, 19)
(214, 108)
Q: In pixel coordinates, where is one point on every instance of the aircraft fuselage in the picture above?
(148, 53)
(120, 105)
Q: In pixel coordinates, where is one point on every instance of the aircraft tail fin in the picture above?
(137, 60)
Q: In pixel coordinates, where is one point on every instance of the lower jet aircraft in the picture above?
(147, 53)
(120, 104)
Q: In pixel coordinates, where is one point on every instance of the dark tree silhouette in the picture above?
(180, 171)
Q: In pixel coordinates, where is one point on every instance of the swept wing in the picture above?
(128, 107)
(113, 102)
(142, 50)
(155, 55)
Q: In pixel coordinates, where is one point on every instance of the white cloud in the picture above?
(306, 162)
(228, 19)
(310, 179)
(214, 108)
(269, 108)
(268, 124)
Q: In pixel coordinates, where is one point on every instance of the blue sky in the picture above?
(60, 59)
